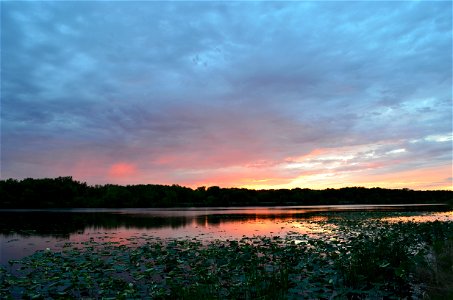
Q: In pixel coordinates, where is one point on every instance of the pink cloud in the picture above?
(122, 170)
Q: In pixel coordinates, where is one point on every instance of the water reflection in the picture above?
(62, 223)
(427, 217)
(24, 232)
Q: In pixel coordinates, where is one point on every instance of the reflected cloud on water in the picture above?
(22, 232)
(62, 223)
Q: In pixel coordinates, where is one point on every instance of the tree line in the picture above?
(65, 192)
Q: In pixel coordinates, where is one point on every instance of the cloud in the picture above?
(122, 170)
(199, 92)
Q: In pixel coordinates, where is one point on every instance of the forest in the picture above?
(65, 192)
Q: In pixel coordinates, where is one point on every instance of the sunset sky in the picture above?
(240, 94)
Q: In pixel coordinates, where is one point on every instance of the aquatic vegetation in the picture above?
(437, 270)
(358, 258)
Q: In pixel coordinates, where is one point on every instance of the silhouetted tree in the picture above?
(64, 192)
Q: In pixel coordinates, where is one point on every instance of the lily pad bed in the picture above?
(359, 259)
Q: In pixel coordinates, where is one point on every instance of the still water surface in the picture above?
(22, 232)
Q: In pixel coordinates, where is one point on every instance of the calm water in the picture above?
(23, 232)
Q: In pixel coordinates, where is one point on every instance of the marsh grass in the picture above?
(359, 259)
(436, 272)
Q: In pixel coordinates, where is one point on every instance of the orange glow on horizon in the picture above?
(421, 179)
(365, 166)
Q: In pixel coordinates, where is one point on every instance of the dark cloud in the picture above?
(193, 91)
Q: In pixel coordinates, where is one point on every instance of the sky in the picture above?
(261, 95)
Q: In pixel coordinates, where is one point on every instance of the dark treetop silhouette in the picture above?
(64, 192)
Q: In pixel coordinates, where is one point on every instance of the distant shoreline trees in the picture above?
(64, 192)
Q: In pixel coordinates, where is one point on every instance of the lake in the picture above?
(22, 232)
